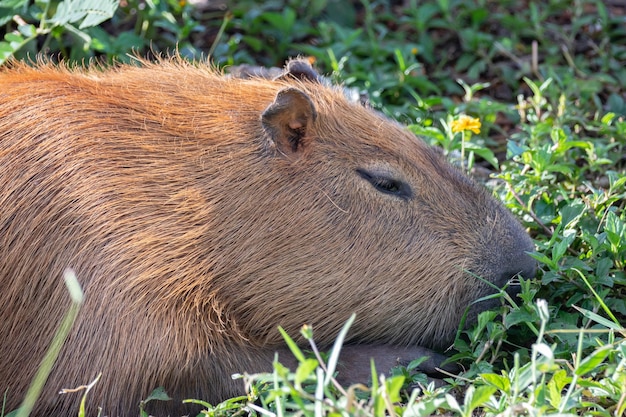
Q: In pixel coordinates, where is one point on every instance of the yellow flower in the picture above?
(465, 123)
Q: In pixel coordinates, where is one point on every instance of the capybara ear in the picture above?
(299, 69)
(288, 119)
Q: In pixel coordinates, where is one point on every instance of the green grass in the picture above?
(545, 79)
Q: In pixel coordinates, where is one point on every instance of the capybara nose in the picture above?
(523, 266)
(526, 265)
(530, 270)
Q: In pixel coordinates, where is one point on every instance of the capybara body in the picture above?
(200, 212)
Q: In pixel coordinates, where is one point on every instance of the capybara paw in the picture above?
(354, 361)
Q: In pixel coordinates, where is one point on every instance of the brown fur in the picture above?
(196, 228)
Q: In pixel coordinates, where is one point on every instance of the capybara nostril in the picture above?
(200, 212)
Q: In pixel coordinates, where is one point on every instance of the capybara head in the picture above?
(201, 211)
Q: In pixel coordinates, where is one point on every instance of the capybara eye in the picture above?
(386, 184)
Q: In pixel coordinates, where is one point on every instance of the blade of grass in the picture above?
(76, 294)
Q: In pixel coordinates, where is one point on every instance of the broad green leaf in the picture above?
(305, 369)
(415, 363)
(27, 30)
(158, 394)
(88, 12)
(591, 362)
(518, 316)
(424, 407)
(500, 382)
(394, 385)
(480, 396)
(555, 387)
(572, 212)
(453, 404)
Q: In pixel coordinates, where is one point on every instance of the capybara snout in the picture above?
(200, 212)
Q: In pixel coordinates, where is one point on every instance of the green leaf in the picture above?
(453, 404)
(293, 347)
(423, 407)
(518, 316)
(282, 21)
(483, 320)
(607, 118)
(598, 319)
(555, 387)
(544, 259)
(28, 31)
(616, 181)
(481, 396)
(13, 38)
(158, 394)
(600, 299)
(255, 43)
(305, 369)
(591, 362)
(394, 385)
(485, 153)
(79, 34)
(430, 132)
(88, 12)
(500, 382)
(615, 229)
(333, 358)
(562, 168)
(558, 250)
(5, 51)
(514, 149)
(13, 4)
(564, 146)
(571, 213)
(415, 363)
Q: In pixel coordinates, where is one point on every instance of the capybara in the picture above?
(201, 211)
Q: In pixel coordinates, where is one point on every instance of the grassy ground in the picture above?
(546, 81)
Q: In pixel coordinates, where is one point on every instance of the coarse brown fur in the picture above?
(201, 211)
